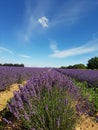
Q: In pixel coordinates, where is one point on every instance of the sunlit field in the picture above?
(48, 99)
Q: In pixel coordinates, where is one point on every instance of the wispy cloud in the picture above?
(3, 49)
(31, 16)
(43, 21)
(24, 56)
(68, 13)
(29, 29)
(53, 46)
(95, 35)
(71, 12)
(89, 47)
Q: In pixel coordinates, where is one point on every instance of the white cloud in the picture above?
(43, 21)
(53, 46)
(91, 46)
(6, 50)
(24, 56)
(32, 14)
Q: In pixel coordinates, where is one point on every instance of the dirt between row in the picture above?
(86, 123)
(8, 94)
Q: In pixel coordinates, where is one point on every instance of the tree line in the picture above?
(92, 64)
(13, 65)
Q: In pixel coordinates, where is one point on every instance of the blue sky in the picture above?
(48, 33)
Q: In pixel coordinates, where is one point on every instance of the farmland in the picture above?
(51, 99)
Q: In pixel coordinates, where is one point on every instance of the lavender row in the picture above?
(22, 106)
(90, 76)
(10, 75)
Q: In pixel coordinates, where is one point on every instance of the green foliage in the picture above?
(13, 65)
(76, 66)
(20, 79)
(63, 67)
(4, 114)
(1, 126)
(79, 66)
(18, 65)
(70, 67)
(91, 93)
(52, 111)
(93, 63)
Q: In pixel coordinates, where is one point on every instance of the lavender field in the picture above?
(10, 75)
(50, 100)
(90, 76)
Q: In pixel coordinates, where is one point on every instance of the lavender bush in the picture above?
(47, 102)
(90, 76)
(10, 75)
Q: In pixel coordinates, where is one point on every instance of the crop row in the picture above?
(90, 76)
(10, 75)
(49, 100)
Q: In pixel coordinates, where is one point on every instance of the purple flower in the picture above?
(46, 107)
(7, 121)
(58, 122)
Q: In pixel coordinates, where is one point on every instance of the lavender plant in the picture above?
(10, 75)
(51, 111)
(90, 76)
(46, 102)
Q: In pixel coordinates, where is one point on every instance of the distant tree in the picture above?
(93, 63)
(14, 65)
(76, 66)
(63, 67)
(21, 65)
(5, 64)
(0, 64)
(79, 66)
(70, 67)
(8, 64)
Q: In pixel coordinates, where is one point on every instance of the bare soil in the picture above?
(87, 123)
(8, 94)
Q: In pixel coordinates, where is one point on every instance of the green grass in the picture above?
(91, 93)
